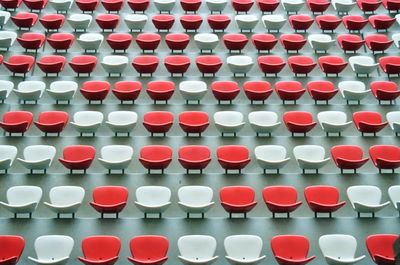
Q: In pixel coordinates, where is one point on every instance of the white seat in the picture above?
(197, 249)
(61, 6)
(30, 90)
(398, 18)
(310, 157)
(195, 199)
(273, 22)
(7, 39)
(62, 90)
(246, 22)
(8, 153)
(216, 5)
(339, 249)
(240, 64)
(38, 157)
(5, 89)
(366, 199)
(80, 22)
(22, 199)
(53, 249)
(243, 249)
(396, 39)
(363, 65)
(321, 42)
(353, 90)
(4, 17)
(264, 121)
(343, 6)
(135, 22)
(333, 121)
(193, 90)
(90, 41)
(65, 199)
(153, 199)
(292, 6)
(229, 121)
(164, 5)
(87, 121)
(394, 194)
(393, 118)
(122, 121)
(116, 157)
(114, 64)
(206, 41)
(271, 157)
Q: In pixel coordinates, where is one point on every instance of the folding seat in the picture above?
(119, 41)
(149, 249)
(61, 41)
(366, 199)
(216, 5)
(136, 22)
(10, 4)
(65, 200)
(52, 64)
(271, 64)
(191, 22)
(368, 122)
(301, 64)
(331, 64)
(218, 22)
(193, 90)
(243, 249)
(321, 90)
(61, 6)
(318, 6)
(353, 90)
(291, 249)
(145, 64)
(95, 90)
(246, 23)
(390, 65)
(127, 91)
(158, 122)
(206, 42)
(267, 6)
(289, 90)
(380, 248)
(19, 64)
(233, 157)
(62, 90)
(339, 249)
(348, 157)
(22, 200)
(52, 249)
(112, 5)
(195, 199)
(363, 65)
(385, 157)
(333, 121)
(225, 90)
(193, 122)
(138, 5)
(229, 122)
(281, 199)
(8, 153)
(87, 121)
(323, 199)
(393, 118)
(12, 247)
(163, 22)
(29, 91)
(25, 20)
(177, 41)
(237, 199)
(177, 64)
(298, 122)
(378, 42)
(394, 192)
(7, 39)
(391, 5)
(52, 22)
(38, 157)
(5, 89)
(235, 42)
(90, 42)
(87, 6)
(368, 6)
(116, 157)
(263, 122)
(16, 122)
(381, 22)
(164, 6)
(148, 41)
(257, 90)
(190, 5)
(153, 200)
(160, 90)
(310, 157)
(343, 7)
(155, 157)
(109, 199)
(194, 157)
(300, 22)
(103, 250)
(292, 42)
(114, 64)
(273, 22)
(264, 42)
(239, 64)
(208, 64)
(321, 42)
(328, 22)
(31, 41)
(195, 249)
(78, 157)
(107, 22)
(122, 122)
(83, 64)
(292, 6)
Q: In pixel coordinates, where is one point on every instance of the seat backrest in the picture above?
(197, 247)
(332, 117)
(17, 116)
(233, 152)
(19, 195)
(11, 246)
(53, 247)
(367, 116)
(79, 152)
(322, 194)
(338, 246)
(153, 195)
(101, 247)
(228, 117)
(39, 152)
(389, 152)
(195, 195)
(265, 117)
(243, 247)
(109, 195)
(88, 117)
(194, 152)
(66, 195)
(237, 194)
(280, 194)
(301, 117)
(365, 194)
(156, 152)
(149, 247)
(122, 117)
(116, 152)
(270, 152)
(352, 152)
(8, 152)
(309, 152)
(53, 117)
(381, 244)
(290, 246)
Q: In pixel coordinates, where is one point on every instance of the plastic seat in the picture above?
(291, 249)
(80, 22)
(323, 199)
(177, 64)
(25, 20)
(381, 22)
(87, 122)
(177, 41)
(158, 122)
(193, 122)
(193, 90)
(246, 23)
(229, 122)
(52, 64)
(385, 157)
(267, 6)
(149, 249)
(292, 42)
(264, 42)
(77, 157)
(114, 64)
(350, 42)
(62, 90)
(271, 64)
(396, 39)
(292, 6)
(310, 157)
(11, 249)
(194, 157)
(281, 199)
(237, 199)
(380, 248)
(16, 122)
(4, 17)
(368, 6)
(366, 199)
(391, 5)
(321, 42)
(31, 41)
(52, 22)
(8, 153)
(300, 22)
(112, 5)
(318, 6)
(164, 6)
(333, 121)
(243, 249)
(273, 22)
(122, 122)
(127, 90)
(116, 157)
(343, 7)
(61, 6)
(197, 249)
(136, 22)
(271, 157)
(138, 5)
(339, 249)
(216, 5)
(22, 200)
(242, 6)
(103, 250)
(95, 90)
(191, 22)
(160, 90)
(321, 90)
(87, 6)
(38, 157)
(299, 122)
(362, 65)
(328, 22)
(109, 199)
(195, 199)
(65, 200)
(30, 91)
(378, 42)
(233, 157)
(225, 90)
(19, 64)
(289, 90)
(240, 64)
(145, 64)
(263, 122)
(393, 118)
(52, 249)
(90, 41)
(348, 157)
(119, 41)
(354, 23)
(155, 157)
(190, 5)
(208, 64)
(218, 22)
(390, 65)
(61, 41)
(394, 192)
(206, 41)
(368, 122)
(353, 90)
(257, 90)
(301, 64)
(153, 200)
(11, 4)
(163, 22)
(235, 42)
(7, 39)
(83, 64)
(331, 65)
(5, 89)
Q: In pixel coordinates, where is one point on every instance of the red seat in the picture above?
(289, 90)
(267, 6)
(218, 22)
(350, 42)
(368, 122)
(52, 122)
(83, 64)
(354, 23)
(242, 6)
(391, 5)
(193, 122)
(348, 157)
(163, 22)
(194, 157)
(139, 5)
(31, 41)
(381, 248)
(95, 90)
(112, 5)
(190, 5)
(145, 64)
(264, 42)
(102, 250)
(233, 157)
(300, 22)
(208, 64)
(390, 65)
(291, 249)
(318, 6)
(25, 20)
(52, 64)
(225, 90)
(381, 22)
(148, 41)
(237, 199)
(11, 248)
(10, 4)
(177, 64)
(177, 41)
(107, 21)
(155, 157)
(331, 64)
(292, 42)
(35, 5)
(150, 250)
(160, 90)
(78, 157)
(368, 6)
(299, 122)
(127, 90)
(281, 199)
(52, 21)
(328, 22)
(61, 41)
(385, 156)
(384, 90)
(301, 64)
(323, 199)
(257, 90)
(119, 41)
(321, 90)
(20, 64)
(109, 199)
(158, 121)
(235, 41)
(271, 64)
(16, 122)
(87, 5)
(191, 22)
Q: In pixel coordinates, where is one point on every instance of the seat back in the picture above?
(280, 194)
(39, 152)
(156, 152)
(322, 194)
(232, 152)
(195, 195)
(237, 195)
(66, 195)
(290, 246)
(197, 247)
(20, 195)
(109, 195)
(101, 247)
(243, 247)
(116, 153)
(338, 246)
(79, 152)
(381, 244)
(369, 195)
(149, 247)
(351, 152)
(153, 195)
(53, 247)
(11, 246)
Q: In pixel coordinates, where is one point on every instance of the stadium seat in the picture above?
(38, 157)
(65, 200)
(362, 65)
(193, 122)
(52, 249)
(310, 157)
(208, 64)
(271, 157)
(381, 22)
(328, 22)
(390, 65)
(257, 90)
(87, 6)
(122, 122)
(30, 91)
(291, 249)
(368, 6)
(158, 122)
(116, 157)
(368, 122)
(194, 157)
(273, 22)
(281, 199)
(20, 64)
(237, 199)
(11, 4)
(77, 157)
(138, 5)
(263, 122)
(22, 200)
(353, 91)
(100, 250)
(90, 42)
(331, 65)
(246, 23)
(271, 64)
(206, 42)
(112, 5)
(160, 90)
(233, 157)
(348, 157)
(321, 42)
(354, 23)
(119, 41)
(264, 42)
(339, 249)
(5, 89)
(145, 64)
(242, 6)
(391, 5)
(194, 249)
(393, 118)
(149, 249)
(114, 65)
(31, 41)
(385, 157)
(299, 122)
(136, 22)
(193, 90)
(350, 42)
(243, 249)
(83, 64)
(109, 199)
(366, 199)
(52, 22)
(8, 153)
(225, 90)
(177, 41)
(289, 91)
(177, 64)
(318, 6)
(321, 90)
(394, 192)
(61, 41)
(155, 157)
(301, 64)
(12, 246)
(378, 42)
(25, 20)
(87, 122)
(292, 6)
(190, 5)
(163, 22)
(153, 200)
(95, 90)
(16, 122)
(292, 42)
(300, 22)
(239, 64)
(148, 41)
(195, 199)
(80, 22)
(267, 6)
(380, 248)
(323, 199)
(333, 121)
(7, 39)
(52, 64)
(216, 5)
(191, 22)
(235, 42)
(62, 90)
(127, 91)
(164, 6)
(218, 22)
(229, 122)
